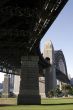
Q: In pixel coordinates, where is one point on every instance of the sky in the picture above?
(61, 35)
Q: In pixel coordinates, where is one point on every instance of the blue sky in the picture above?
(61, 34)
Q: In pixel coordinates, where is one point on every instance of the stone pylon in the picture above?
(50, 72)
(29, 83)
(42, 87)
(6, 86)
(16, 85)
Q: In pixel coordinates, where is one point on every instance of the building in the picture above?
(49, 52)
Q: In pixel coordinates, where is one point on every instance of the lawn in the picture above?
(57, 101)
(38, 107)
(47, 104)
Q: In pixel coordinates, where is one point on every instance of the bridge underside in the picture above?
(62, 77)
(22, 25)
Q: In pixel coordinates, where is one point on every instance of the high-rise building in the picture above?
(50, 73)
(49, 51)
(11, 82)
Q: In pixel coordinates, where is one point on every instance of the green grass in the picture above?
(57, 100)
(47, 104)
(38, 107)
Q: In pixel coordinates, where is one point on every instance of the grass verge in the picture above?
(47, 104)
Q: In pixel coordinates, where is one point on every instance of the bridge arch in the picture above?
(60, 62)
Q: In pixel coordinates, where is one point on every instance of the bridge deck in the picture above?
(22, 24)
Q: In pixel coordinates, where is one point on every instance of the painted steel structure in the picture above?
(22, 25)
(61, 68)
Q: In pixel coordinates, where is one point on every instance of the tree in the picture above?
(66, 88)
(71, 91)
(51, 93)
(0, 94)
(57, 91)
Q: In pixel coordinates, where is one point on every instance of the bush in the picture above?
(0, 94)
(12, 95)
(51, 93)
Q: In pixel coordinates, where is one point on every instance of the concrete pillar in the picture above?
(29, 83)
(50, 79)
(42, 87)
(6, 86)
(50, 72)
(16, 85)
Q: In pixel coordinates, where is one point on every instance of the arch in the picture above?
(60, 62)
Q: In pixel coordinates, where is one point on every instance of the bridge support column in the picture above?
(42, 87)
(50, 79)
(6, 86)
(29, 84)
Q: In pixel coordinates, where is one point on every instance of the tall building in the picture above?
(11, 82)
(49, 51)
(50, 73)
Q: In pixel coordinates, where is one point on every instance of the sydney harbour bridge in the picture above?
(23, 23)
